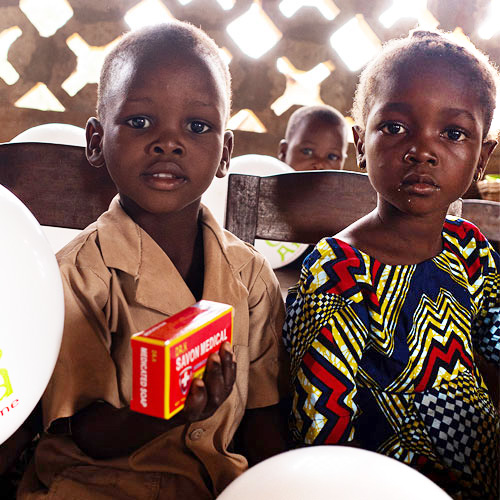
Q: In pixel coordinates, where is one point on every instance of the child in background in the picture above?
(164, 101)
(315, 139)
(383, 323)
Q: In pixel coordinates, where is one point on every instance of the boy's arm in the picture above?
(102, 431)
(12, 448)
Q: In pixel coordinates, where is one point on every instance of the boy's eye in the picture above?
(307, 151)
(454, 135)
(333, 157)
(198, 127)
(139, 122)
(393, 128)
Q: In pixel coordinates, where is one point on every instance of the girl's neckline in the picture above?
(443, 249)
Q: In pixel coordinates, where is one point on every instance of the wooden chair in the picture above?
(56, 183)
(300, 207)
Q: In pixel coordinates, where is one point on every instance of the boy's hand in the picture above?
(206, 395)
(103, 431)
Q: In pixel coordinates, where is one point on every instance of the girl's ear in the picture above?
(282, 149)
(487, 149)
(94, 134)
(227, 150)
(359, 141)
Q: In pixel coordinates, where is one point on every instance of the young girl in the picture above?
(383, 323)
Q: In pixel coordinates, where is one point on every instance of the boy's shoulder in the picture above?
(83, 252)
(239, 253)
(99, 242)
(242, 258)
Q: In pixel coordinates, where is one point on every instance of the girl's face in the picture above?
(423, 141)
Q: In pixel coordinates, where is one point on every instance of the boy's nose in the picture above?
(167, 146)
(420, 154)
(320, 163)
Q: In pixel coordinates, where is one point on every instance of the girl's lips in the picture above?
(419, 184)
(419, 188)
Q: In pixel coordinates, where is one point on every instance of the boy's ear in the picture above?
(487, 149)
(359, 141)
(227, 151)
(94, 134)
(282, 148)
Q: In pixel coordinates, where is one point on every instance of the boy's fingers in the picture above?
(214, 380)
(196, 400)
(228, 365)
(206, 395)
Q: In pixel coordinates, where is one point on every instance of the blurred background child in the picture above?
(316, 138)
(383, 323)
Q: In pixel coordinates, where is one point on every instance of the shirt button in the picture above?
(196, 434)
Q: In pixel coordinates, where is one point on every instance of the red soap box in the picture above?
(167, 356)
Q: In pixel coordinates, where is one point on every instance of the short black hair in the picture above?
(181, 36)
(459, 53)
(325, 113)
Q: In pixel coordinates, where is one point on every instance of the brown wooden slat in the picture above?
(241, 213)
(485, 214)
(298, 206)
(56, 183)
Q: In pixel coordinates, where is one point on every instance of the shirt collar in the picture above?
(127, 247)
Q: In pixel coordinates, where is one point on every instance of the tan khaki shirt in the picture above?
(117, 281)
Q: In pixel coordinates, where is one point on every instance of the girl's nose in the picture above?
(420, 154)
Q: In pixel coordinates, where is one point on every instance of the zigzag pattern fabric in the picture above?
(383, 356)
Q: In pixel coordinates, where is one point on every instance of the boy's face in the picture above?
(315, 145)
(162, 137)
(423, 141)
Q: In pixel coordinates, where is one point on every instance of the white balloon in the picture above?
(55, 133)
(332, 472)
(31, 313)
(258, 165)
(278, 253)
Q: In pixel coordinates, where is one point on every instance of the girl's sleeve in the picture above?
(486, 329)
(325, 333)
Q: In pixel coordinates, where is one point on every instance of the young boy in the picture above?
(315, 139)
(164, 99)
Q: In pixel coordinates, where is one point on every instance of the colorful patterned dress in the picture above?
(383, 355)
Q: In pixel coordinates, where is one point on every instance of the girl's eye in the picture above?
(333, 157)
(198, 127)
(393, 128)
(307, 151)
(454, 135)
(139, 122)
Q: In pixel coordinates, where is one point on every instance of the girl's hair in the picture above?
(458, 52)
(153, 40)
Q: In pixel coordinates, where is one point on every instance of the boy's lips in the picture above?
(164, 176)
(419, 184)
